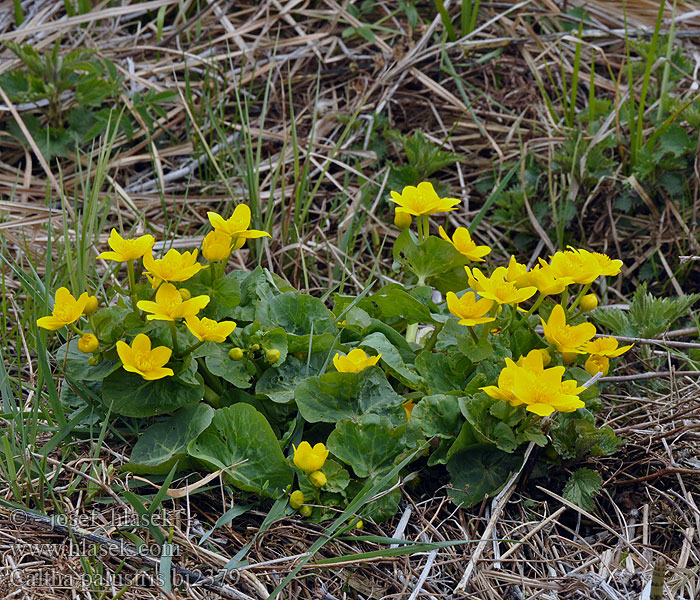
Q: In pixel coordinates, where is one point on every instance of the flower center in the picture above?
(143, 361)
(63, 313)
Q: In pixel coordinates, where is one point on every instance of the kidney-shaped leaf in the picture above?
(336, 396)
(240, 434)
(131, 395)
(163, 443)
(372, 446)
(478, 471)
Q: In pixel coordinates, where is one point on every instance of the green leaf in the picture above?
(236, 372)
(131, 395)
(391, 357)
(75, 363)
(255, 287)
(165, 443)
(438, 415)
(297, 314)
(224, 294)
(336, 396)
(240, 435)
(444, 372)
(276, 339)
(278, 383)
(337, 476)
(428, 260)
(393, 301)
(474, 351)
(582, 487)
(372, 446)
(486, 427)
(478, 471)
(574, 438)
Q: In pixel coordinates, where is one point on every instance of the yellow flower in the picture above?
(170, 306)
(310, 459)
(568, 339)
(124, 250)
(208, 330)
(88, 343)
(355, 361)
(139, 358)
(408, 407)
(541, 390)
(506, 379)
(296, 499)
(422, 200)
(516, 272)
(216, 246)
(236, 226)
(497, 288)
(597, 364)
(173, 266)
(605, 346)
(318, 479)
(463, 243)
(535, 360)
(546, 281)
(66, 310)
(469, 310)
(583, 266)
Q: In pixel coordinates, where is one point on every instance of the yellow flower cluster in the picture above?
(525, 382)
(168, 303)
(541, 390)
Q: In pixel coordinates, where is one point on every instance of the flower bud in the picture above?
(93, 361)
(402, 220)
(589, 302)
(185, 294)
(318, 479)
(296, 499)
(91, 306)
(272, 355)
(88, 343)
(235, 354)
(597, 364)
(305, 510)
(360, 525)
(255, 347)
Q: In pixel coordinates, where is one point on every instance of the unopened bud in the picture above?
(235, 354)
(589, 302)
(91, 306)
(88, 343)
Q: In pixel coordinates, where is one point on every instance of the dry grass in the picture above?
(491, 114)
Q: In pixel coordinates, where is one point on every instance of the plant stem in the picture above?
(426, 227)
(471, 330)
(74, 327)
(411, 332)
(192, 348)
(132, 286)
(581, 294)
(419, 226)
(527, 424)
(173, 332)
(430, 344)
